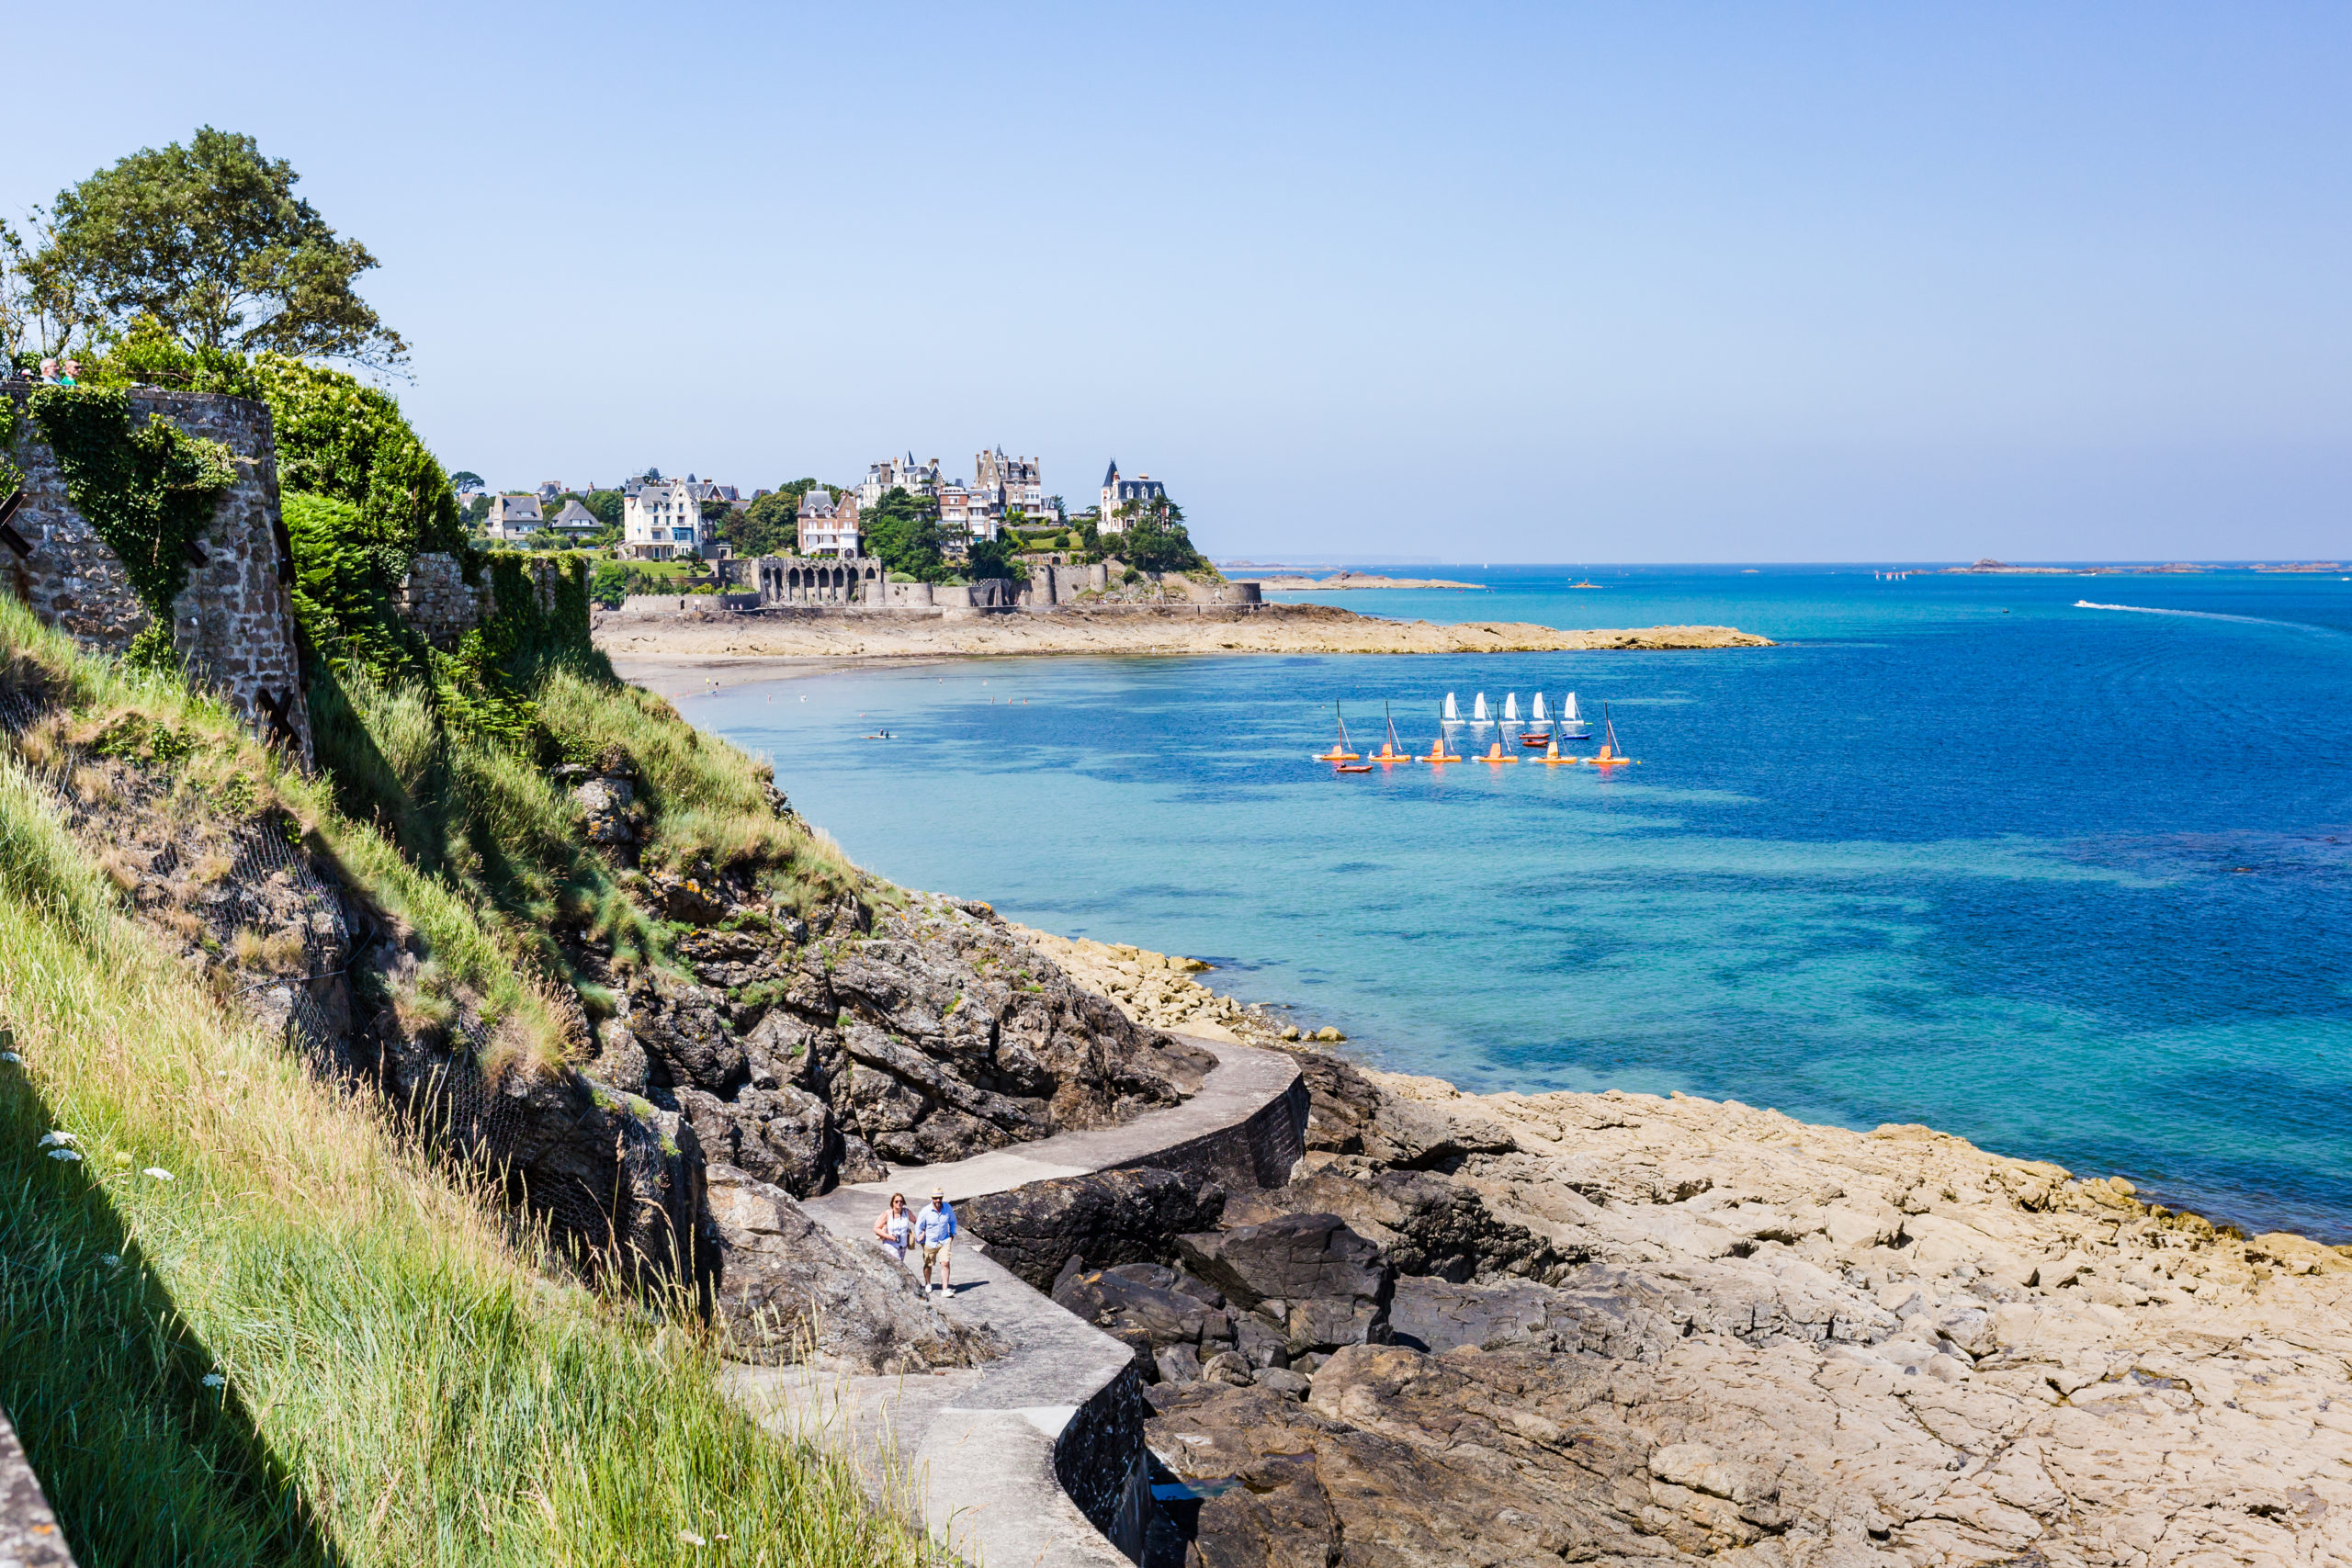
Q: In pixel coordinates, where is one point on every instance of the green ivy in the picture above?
(149, 490)
(12, 478)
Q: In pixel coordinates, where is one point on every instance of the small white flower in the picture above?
(111, 1259)
(64, 1153)
(214, 1379)
(11, 1057)
(691, 1539)
(159, 1173)
(55, 1140)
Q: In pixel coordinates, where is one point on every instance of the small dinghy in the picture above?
(1339, 752)
(1610, 756)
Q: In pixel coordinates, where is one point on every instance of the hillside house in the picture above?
(1118, 489)
(513, 517)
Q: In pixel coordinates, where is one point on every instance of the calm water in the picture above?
(2075, 884)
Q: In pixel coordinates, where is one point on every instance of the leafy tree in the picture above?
(466, 479)
(996, 558)
(607, 505)
(903, 530)
(44, 311)
(1155, 540)
(771, 525)
(211, 241)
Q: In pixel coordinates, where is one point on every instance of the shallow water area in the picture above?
(2072, 882)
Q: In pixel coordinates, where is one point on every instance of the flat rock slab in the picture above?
(30, 1536)
(971, 1452)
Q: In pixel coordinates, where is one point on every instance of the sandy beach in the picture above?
(1279, 628)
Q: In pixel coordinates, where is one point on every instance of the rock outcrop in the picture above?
(1773, 1343)
(1101, 1219)
(1761, 1342)
(791, 1291)
(811, 1051)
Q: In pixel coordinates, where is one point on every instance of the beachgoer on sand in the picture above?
(935, 1233)
(894, 1228)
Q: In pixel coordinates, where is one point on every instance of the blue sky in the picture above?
(1642, 283)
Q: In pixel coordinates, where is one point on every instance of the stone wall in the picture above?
(796, 579)
(1061, 584)
(233, 622)
(435, 598)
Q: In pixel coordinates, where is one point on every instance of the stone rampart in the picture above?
(435, 598)
(796, 579)
(233, 621)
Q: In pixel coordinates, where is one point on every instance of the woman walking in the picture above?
(894, 1228)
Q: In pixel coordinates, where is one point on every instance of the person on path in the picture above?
(894, 1228)
(73, 374)
(935, 1233)
(49, 372)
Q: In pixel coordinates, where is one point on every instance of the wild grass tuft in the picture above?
(303, 1344)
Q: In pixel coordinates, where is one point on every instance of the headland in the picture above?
(1295, 583)
(855, 632)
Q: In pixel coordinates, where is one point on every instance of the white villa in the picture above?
(1117, 491)
(513, 516)
(661, 519)
(915, 479)
(829, 529)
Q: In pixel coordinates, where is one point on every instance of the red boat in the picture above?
(1534, 737)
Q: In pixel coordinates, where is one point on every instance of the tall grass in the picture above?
(395, 1384)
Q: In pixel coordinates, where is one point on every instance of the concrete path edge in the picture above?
(1037, 1459)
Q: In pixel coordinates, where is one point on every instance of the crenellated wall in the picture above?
(233, 622)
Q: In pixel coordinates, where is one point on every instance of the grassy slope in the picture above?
(400, 1383)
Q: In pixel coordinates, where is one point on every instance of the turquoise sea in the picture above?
(2074, 883)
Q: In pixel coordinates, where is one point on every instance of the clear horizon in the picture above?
(1792, 284)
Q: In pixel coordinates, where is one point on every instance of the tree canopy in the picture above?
(903, 531)
(1155, 540)
(771, 525)
(211, 241)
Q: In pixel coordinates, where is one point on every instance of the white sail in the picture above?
(1453, 714)
(1568, 707)
(1510, 707)
(1478, 708)
(1536, 714)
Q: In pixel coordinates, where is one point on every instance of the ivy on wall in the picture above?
(149, 491)
(12, 478)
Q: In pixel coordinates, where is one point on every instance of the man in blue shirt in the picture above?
(936, 1234)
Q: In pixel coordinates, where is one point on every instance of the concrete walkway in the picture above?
(988, 1457)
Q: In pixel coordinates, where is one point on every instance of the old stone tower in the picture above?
(234, 622)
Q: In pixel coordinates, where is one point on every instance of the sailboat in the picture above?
(1339, 752)
(1392, 750)
(1438, 753)
(1571, 727)
(1495, 754)
(1609, 757)
(1478, 709)
(1540, 723)
(1510, 707)
(1453, 714)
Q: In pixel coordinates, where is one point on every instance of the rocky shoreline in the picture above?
(1619, 1328)
(634, 641)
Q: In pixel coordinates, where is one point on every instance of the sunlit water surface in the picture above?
(2075, 884)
